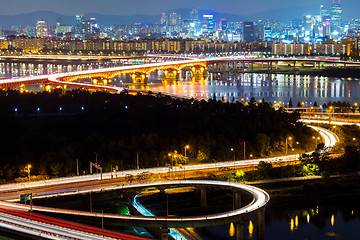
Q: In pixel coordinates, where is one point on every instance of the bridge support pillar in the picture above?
(294, 65)
(203, 197)
(171, 74)
(252, 66)
(161, 189)
(239, 231)
(261, 224)
(139, 78)
(164, 235)
(199, 70)
(237, 200)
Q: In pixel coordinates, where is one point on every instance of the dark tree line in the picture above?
(51, 130)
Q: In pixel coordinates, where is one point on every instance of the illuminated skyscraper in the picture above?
(194, 15)
(326, 20)
(323, 11)
(210, 23)
(41, 29)
(164, 19)
(336, 15)
(175, 19)
(79, 20)
(223, 24)
(249, 31)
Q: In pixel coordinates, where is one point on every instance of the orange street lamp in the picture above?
(286, 143)
(186, 147)
(28, 170)
(232, 149)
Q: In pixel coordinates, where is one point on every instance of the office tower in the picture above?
(175, 19)
(268, 34)
(336, 15)
(210, 23)
(326, 22)
(194, 15)
(164, 19)
(249, 31)
(79, 22)
(223, 24)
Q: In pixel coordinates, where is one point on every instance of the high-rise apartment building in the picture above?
(41, 29)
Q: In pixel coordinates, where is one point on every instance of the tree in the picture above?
(237, 176)
(264, 169)
(262, 143)
(201, 156)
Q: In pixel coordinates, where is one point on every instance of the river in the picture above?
(272, 88)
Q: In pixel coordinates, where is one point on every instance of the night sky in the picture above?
(155, 7)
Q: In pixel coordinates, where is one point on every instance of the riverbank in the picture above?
(313, 190)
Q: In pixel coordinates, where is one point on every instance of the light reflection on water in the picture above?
(274, 87)
(318, 223)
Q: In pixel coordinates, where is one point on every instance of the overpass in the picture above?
(33, 225)
(259, 199)
(67, 186)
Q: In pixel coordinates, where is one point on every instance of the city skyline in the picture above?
(116, 7)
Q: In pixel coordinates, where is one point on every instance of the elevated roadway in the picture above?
(260, 199)
(36, 226)
(9, 191)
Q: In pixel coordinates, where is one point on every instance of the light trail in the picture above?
(52, 228)
(260, 199)
(330, 139)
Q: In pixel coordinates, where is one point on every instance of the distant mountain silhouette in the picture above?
(110, 20)
(104, 20)
(285, 14)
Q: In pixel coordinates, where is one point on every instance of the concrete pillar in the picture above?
(237, 200)
(294, 65)
(261, 224)
(164, 234)
(239, 231)
(203, 197)
(271, 66)
(252, 66)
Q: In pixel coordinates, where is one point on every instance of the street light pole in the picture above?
(29, 166)
(186, 147)
(244, 150)
(286, 143)
(233, 150)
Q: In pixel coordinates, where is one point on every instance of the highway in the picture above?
(33, 224)
(9, 191)
(92, 183)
